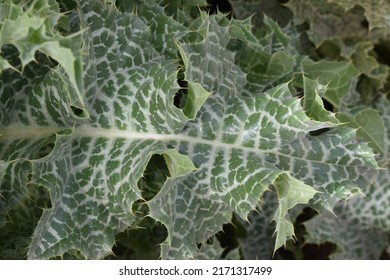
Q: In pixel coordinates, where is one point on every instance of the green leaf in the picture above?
(290, 192)
(360, 227)
(266, 70)
(165, 30)
(362, 59)
(177, 163)
(5, 65)
(35, 106)
(337, 76)
(369, 125)
(72, 171)
(197, 96)
(270, 130)
(209, 55)
(375, 74)
(223, 150)
(313, 104)
(32, 29)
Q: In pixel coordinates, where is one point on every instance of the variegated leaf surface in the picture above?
(285, 149)
(230, 142)
(360, 227)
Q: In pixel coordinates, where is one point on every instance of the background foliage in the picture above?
(184, 129)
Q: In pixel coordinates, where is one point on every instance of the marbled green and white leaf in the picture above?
(313, 104)
(93, 171)
(232, 140)
(35, 105)
(290, 192)
(360, 227)
(258, 244)
(245, 144)
(30, 27)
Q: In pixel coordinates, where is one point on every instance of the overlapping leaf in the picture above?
(31, 27)
(78, 218)
(360, 227)
(34, 106)
(269, 129)
(258, 8)
(328, 20)
(376, 11)
(93, 171)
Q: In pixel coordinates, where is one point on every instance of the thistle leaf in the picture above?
(231, 141)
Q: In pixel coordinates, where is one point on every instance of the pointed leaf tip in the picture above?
(178, 164)
(197, 96)
(290, 192)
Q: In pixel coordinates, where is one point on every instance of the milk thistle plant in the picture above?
(143, 129)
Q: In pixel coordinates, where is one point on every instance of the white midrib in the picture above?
(19, 132)
(131, 135)
(86, 131)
